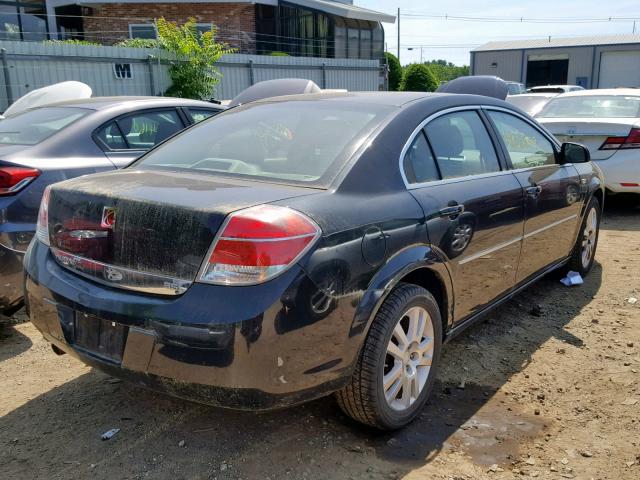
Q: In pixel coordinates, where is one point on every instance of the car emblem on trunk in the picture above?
(112, 274)
(108, 217)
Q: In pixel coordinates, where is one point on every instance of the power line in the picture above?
(498, 19)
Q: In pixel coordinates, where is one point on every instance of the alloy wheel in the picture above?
(589, 236)
(408, 358)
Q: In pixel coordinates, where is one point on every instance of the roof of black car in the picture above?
(99, 103)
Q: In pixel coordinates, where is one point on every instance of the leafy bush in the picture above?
(194, 74)
(395, 71)
(139, 43)
(278, 54)
(73, 41)
(418, 78)
(447, 71)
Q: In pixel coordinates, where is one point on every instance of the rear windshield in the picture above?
(548, 90)
(34, 126)
(300, 142)
(531, 105)
(593, 106)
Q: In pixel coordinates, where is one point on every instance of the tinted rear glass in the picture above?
(531, 105)
(300, 142)
(593, 106)
(34, 126)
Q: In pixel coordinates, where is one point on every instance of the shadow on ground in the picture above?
(57, 435)
(12, 342)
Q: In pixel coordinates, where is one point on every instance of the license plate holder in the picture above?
(100, 337)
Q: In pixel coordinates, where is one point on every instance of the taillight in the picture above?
(14, 179)
(616, 143)
(42, 227)
(257, 244)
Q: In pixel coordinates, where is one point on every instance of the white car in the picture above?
(555, 89)
(605, 121)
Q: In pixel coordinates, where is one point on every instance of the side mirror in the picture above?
(574, 153)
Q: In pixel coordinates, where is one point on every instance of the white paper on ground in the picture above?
(572, 278)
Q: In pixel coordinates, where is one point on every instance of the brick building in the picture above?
(321, 28)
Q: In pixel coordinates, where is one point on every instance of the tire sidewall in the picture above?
(593, 204)
(392, 419)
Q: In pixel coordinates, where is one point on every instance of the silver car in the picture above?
(56, 142)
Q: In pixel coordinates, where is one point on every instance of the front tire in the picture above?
(397, 365)
(584, 251)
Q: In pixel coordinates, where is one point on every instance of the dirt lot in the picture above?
(548, 387)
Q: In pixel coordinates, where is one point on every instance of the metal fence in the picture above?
(133, 71)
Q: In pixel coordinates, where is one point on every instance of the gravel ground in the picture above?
(547, 387)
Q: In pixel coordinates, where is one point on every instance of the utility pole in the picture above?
(398, 33)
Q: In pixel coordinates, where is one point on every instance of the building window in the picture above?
(34, 23)
(143, 30)
(9, 25)
(340, 44)
(353, 40)
(299, 31)
(26, 20)
(203, 27)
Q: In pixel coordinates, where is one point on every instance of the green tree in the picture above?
(193, 73)
(395, 71)
(447, 71)
(418, 77)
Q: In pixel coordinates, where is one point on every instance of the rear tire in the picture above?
(584, 251)
(398, 362)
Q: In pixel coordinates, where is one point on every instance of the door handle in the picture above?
(534, 191)
(451, 211)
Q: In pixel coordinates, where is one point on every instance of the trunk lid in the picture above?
(147, 230)
(591, 134)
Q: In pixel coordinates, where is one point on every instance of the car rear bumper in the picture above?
(11, 278)
(237, 347)
(622, 171)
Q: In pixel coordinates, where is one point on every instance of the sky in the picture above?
(453, 39)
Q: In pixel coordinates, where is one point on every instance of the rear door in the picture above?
(552, 192)
(126, 138)
(472, 204)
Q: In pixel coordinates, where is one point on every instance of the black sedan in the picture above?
(305, 245)
(48, 144)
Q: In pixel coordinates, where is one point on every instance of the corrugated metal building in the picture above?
(592, 62)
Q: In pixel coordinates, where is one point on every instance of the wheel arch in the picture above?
(419, 265)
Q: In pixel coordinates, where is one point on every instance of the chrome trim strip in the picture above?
(488, 251)
(129, 279)
(551, 225)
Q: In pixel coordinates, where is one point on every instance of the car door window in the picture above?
(199, 114)
(110, 138)
(418, 163)
(527, 147)
(462, 145)
(146, 129)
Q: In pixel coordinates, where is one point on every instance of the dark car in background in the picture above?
(48, 144)
(295, 247)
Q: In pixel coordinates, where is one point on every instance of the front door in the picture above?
(552, 193)
(472, 205)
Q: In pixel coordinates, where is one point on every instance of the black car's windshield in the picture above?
(304, 142)
(34, 126)
(593, 106)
